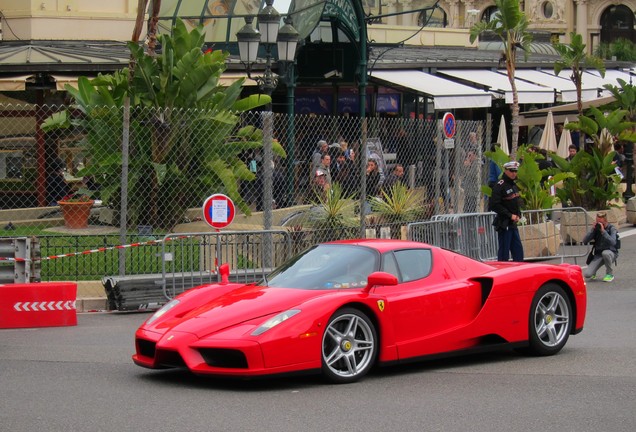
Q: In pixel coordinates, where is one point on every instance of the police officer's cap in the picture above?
(511, 166)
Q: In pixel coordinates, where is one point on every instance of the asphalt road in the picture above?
(82, 379)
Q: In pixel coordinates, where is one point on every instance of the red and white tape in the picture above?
(91, 251)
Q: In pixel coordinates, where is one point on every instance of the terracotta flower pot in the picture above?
(76, 213)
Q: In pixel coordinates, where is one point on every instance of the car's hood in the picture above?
(240, 305)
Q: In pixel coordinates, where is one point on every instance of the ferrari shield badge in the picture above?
(381, 305)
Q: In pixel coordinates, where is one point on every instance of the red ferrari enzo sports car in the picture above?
(342, 307)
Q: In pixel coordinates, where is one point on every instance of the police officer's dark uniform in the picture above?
(505, 202)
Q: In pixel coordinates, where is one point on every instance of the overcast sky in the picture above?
(282, 6)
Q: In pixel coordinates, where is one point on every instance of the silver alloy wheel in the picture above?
(348, 346)
(552, 319)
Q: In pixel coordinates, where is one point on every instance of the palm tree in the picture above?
(139, 21)
(574, 57)
(511, 26)
(153, 22)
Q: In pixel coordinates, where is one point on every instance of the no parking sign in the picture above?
(448, 126)
(218, 211)
(448, 122)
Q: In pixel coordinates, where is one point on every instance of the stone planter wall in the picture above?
(540, 240)
(631, 211)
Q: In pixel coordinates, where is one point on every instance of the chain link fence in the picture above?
(148, 172)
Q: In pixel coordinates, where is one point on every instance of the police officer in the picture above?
(505, 203)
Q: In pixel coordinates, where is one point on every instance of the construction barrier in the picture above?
(46, 304)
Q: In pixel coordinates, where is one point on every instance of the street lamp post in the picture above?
(287, 43)
(629, 170)
(248, 41)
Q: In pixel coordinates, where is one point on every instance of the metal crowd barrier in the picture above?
(546, 234)
(554, 233)
(471, 234)
(192, 259)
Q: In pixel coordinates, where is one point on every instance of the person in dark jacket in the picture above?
(603, 234)
(56, 186)
(505, 202)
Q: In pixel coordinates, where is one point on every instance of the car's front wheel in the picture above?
(550, 320)
(349, 346)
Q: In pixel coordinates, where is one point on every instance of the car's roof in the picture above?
(383, 245)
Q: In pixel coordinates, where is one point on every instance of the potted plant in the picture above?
(76, 209)
(332, 217)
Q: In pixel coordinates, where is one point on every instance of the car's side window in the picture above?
(389, 265)
(413, 263)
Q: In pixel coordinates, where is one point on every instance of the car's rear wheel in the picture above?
(349, 346)
(550, 320)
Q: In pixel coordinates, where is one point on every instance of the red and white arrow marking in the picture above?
(45, 306)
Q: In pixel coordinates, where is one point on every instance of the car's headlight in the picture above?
(165, 308)
(274, 321)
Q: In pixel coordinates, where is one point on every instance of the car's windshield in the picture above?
(327, 266)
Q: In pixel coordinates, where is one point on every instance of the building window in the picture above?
(548, 9)
(490, 13)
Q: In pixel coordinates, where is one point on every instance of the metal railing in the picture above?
(545, 234)
(193, 259)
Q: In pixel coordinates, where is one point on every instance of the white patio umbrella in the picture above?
(565, 142)
(548, 139)
(502, 137)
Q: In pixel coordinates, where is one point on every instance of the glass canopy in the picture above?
(221, 19)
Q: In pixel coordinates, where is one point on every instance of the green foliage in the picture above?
(534, 183)
(625, 98)
(185, 136)
(333, 210)
(604, 128)
(594, 184)
(622, 49)
(400, 204)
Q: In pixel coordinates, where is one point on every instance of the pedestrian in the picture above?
(396, 176)
(470, 182)
(316, 158)
(603, 236)
(320, 185)
(56, 186)
(373, 183)
(325, 166)
(505, 202)
(343, 173)
(571, 152)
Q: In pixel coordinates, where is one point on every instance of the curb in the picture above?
(91, 304)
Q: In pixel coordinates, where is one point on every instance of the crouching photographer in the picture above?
(603, 237)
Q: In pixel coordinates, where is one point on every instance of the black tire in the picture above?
(349, 346)
(550, 321)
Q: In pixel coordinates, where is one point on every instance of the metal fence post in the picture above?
(123, 217)
(363, 158)
(268, 157)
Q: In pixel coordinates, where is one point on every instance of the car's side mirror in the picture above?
(380, 278)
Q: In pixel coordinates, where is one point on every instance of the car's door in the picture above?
(428, 304)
